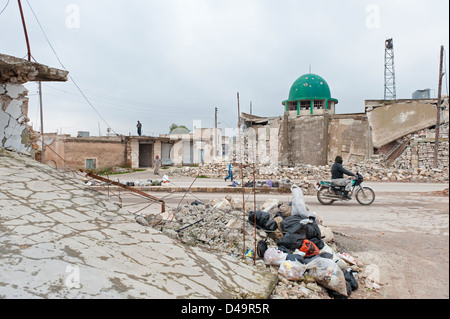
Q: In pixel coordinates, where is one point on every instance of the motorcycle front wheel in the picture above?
(322, 196)
(365, 195)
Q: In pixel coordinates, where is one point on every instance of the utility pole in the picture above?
(42, 123)
(215, 134)
(251, 111)
(25, 30)
(438, 116)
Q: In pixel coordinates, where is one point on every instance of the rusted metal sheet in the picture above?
(106, 180)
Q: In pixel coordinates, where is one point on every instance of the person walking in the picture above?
(230, 172)
(139, 128)
(156, 164)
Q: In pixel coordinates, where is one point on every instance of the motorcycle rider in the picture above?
(337, 176)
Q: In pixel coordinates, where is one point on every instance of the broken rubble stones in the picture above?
(221, 228)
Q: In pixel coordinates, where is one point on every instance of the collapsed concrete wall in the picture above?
(15, 134)
(391, 121)
(14, 131)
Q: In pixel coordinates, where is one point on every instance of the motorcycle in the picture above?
(327, 193)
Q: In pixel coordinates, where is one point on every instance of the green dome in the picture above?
(310, 87)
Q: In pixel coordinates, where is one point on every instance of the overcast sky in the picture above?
(174, 61)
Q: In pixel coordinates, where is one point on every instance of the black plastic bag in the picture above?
(291, 241)
(295, 257)
(261, 248)
(291, 224)
(271, 225)
(318, 242)
(261, 218)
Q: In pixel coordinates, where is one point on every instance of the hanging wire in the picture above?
(4, 8)
(62, 65)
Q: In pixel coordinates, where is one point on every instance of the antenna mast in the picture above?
(389, 71)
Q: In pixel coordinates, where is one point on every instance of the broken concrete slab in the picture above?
(94, 249)
(393, 121)
(16, 70)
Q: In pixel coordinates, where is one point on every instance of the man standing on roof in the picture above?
(139, 128)
(337, 176)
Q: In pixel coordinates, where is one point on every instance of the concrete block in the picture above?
(15, 90)
(14, 109)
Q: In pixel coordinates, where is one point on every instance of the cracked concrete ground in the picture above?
(60, 239)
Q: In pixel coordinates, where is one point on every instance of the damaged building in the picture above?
(310, 131)
(100, 152)
(15, 133)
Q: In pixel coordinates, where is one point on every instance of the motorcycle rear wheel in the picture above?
(322, 194)
(365, 196)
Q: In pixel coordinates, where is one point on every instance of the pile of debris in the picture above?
(373, 170)
(286, 237)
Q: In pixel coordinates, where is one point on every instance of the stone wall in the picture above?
(304, 140)
(349, 136)
(63, 151)
(14, 131)
(420, 151)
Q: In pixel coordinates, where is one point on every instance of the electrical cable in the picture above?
(62, 65)
(4, 8)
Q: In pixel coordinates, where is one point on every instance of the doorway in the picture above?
(145, 155)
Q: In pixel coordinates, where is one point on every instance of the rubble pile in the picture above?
(420, 151)
(373, 170)
(415, 164)
(286, 237)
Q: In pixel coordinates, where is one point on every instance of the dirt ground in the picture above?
(403, 236)
(409, 246)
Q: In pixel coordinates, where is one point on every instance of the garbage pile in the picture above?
(286, 237)
(140, 183)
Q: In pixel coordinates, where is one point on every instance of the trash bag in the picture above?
(328, 274)
(305, 227)
(261, 248)
(348, 274)
(197, 202)
(291, 224)
(261, 218)
(292, 270)
(298, 202)
(318, 242)
(351, 285)
(291, 241)
(274, 256)
(312, 230)
(341, 263)
(309, 248)
(270, 225)
(295, 257)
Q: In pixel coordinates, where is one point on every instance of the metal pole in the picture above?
(438, 116)
(241, 165)
(25, 30)
(42, 123)
(215, 134)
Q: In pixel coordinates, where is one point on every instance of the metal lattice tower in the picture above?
(389, 71)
